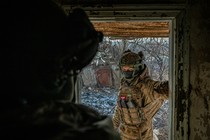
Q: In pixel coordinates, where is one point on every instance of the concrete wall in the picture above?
(191, 112)
(199, 69)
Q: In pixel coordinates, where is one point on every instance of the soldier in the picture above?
(139, 98)
(44, 50)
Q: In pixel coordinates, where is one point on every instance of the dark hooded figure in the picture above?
(43, 50)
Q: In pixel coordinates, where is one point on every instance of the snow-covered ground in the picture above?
(104, 100)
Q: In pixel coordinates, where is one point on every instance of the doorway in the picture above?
(101, 78)
(149, 13)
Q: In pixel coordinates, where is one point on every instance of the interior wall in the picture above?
(191, 114)
(199, 34)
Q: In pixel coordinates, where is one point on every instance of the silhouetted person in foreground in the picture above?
(43, 51)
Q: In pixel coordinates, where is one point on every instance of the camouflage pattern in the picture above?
(130, 58)
(56, 121)
(148, 96)
(133, 60)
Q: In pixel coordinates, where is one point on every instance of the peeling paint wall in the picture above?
(192, 82)
(181, 110)
(200, 70)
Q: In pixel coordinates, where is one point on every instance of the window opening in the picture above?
(100, 80)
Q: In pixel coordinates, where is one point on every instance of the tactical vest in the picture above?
(129, 102)
(137, 113)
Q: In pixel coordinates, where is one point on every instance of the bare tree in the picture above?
(156, 51)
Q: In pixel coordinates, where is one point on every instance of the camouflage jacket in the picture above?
(56, 120)
(147, 96)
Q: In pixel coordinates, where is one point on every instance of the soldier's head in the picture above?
(131, 64)
(45, 49)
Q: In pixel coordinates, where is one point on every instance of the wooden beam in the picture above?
(133, 29)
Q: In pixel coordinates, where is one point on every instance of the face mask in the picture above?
(127, 74)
